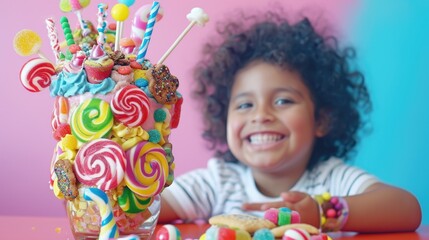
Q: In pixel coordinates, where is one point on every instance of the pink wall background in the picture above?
(25, 137)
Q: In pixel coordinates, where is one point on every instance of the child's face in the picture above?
(271, 125)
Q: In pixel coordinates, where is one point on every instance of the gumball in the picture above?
(120, 12)
(168, 232)
(127, 2)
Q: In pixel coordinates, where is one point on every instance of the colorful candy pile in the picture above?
(113, 114)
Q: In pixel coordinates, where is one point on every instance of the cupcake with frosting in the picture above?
(98, 66)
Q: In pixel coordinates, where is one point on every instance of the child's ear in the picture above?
(323, 123)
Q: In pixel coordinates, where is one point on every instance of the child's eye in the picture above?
(244, 105)
(283, 101)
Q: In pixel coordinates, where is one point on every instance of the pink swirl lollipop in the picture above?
(147, 169)
(36, 74)
(130, 105)
(100, 163)
(140, 22)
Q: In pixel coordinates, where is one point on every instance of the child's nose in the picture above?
(262, 114)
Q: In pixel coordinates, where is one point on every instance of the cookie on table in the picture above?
(245, 222)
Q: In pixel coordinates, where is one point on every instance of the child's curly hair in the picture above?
(338, 92)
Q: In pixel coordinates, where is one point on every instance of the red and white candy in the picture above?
(36, 74)
(100, 163)
(168, 232)
(296, 234)
(130, 105)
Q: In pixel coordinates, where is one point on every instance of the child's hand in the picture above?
(301, 202)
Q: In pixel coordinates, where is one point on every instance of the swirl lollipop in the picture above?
(93, 119)
(147, 169)
(36, 74)
(140, 21)
(130, 105)
(76, 6)
(100, 163)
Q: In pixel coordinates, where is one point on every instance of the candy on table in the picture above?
(120, 13)
(108, 228)
(140, 22)
(225, 233)
(168, 232)
(76, 6)
(296, 234)
(322, 236)
(36, 74)
(263, 234)
(196, 16)
(282, 216)
(148, 33)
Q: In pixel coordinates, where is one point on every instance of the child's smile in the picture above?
(271, 125)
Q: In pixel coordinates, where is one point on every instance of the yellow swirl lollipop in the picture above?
(27, 42)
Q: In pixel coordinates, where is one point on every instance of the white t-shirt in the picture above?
(223, 187)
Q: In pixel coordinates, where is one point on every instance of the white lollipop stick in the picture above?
(119, 31)
(196, 16)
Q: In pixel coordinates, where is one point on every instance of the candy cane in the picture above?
(108, 229)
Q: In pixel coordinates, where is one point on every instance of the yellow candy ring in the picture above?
(93, 119)
(147, 169)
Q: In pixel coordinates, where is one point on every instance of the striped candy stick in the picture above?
(108, 228)
(148, 33)
(53, 38)
(101, 27)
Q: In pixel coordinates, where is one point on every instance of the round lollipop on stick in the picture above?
(76, 6)
(27, 42)
(120, 13)
(196, 16)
